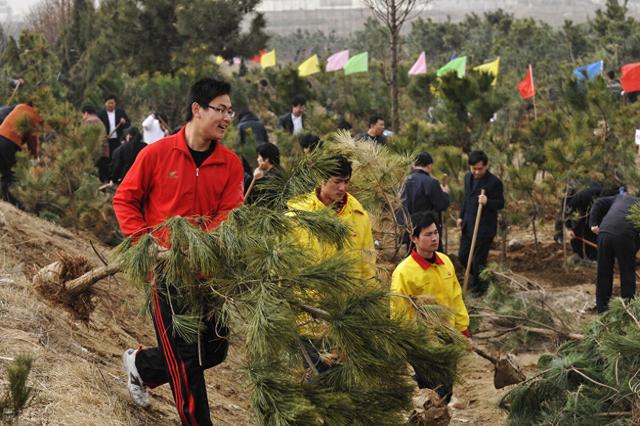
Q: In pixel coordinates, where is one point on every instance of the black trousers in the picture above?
(8, 151)
(479, 262)
(176, 362)
(610, 248)
(444, 391)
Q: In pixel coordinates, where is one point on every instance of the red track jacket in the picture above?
(164, 182)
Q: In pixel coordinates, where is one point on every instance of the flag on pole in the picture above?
(358, 63)
(309, 67)
(589, 71)
(219, 60)
(337, 61)
(630, 79)
(490, 68)
(256, 59)
(420, 67)
(268, 59)
(526, 87)
(458, 65)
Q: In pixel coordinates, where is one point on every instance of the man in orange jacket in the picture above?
(20, 127)
(188, 174)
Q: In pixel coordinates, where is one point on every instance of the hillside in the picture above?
(77, 373)
(77, 370)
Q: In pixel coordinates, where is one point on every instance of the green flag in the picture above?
(458, 65)
(358, 63)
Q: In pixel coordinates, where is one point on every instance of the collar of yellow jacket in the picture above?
(424, 263)
(310, 202)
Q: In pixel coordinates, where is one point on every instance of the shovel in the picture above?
(465, 287)
(506, 370)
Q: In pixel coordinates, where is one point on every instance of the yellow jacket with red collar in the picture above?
(415, 277)
(360, 245)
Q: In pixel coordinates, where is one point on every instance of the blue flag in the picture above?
(589, 71)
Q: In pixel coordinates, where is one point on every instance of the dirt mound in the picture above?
(77, 373)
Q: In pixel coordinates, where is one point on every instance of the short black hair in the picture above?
(269, 151)
(423, 159)
(136, 136)
(611, 74)
(203, 91)
(374, 119)
(110, 96)
(298, 100)
(422, 220)
(478, 156)
(309, 141)
(343, 124)
(343, 167)
(88, 109)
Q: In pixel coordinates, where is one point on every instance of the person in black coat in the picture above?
(249, 122)
(617, 239)
(125, 155)
(115, 121)
(268, 169)
(293, 122)
(422, 193)
(478, 178)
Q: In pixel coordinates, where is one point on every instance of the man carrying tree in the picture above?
(478, 178)
(22, 126)
(617, 239)
(333, 194)
(422, 193)
(189, 174)
(428, 276)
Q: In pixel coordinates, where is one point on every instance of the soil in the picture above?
(77, 373)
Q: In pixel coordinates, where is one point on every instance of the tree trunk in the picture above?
(394, 31)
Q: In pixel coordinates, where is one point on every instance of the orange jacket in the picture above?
(10, 127)
(165, 182)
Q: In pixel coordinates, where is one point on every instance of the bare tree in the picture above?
(393, 14)
(50, 18)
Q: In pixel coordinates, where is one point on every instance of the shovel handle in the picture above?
(465, 287)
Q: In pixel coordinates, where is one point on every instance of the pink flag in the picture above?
(337, 61)
(420, 67)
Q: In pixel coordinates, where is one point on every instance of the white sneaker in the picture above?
(138, 391)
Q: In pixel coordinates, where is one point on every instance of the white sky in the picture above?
(21, 7)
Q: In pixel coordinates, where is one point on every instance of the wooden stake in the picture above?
(465, 287)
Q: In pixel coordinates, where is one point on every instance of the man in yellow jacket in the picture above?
(333, 194)
(428, 274)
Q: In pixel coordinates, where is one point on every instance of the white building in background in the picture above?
(345, 16)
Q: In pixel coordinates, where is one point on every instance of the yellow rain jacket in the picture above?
(416, 277)
(360, 246)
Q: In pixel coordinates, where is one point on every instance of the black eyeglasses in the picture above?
(221, 109)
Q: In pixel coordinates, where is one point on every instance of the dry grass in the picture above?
(77, 373)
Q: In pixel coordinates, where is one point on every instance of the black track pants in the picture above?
(176, 362)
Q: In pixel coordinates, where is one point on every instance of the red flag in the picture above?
(256, 59)
(526, 87)
(630, 80)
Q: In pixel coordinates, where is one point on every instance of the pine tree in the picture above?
(260, 280)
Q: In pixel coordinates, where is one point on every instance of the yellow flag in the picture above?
(219, 60)
(309, 67)
(268, 59)
(490, 68)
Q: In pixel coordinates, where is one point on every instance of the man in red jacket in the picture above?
(188, 174)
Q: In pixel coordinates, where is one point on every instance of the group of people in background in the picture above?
(163, 169)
